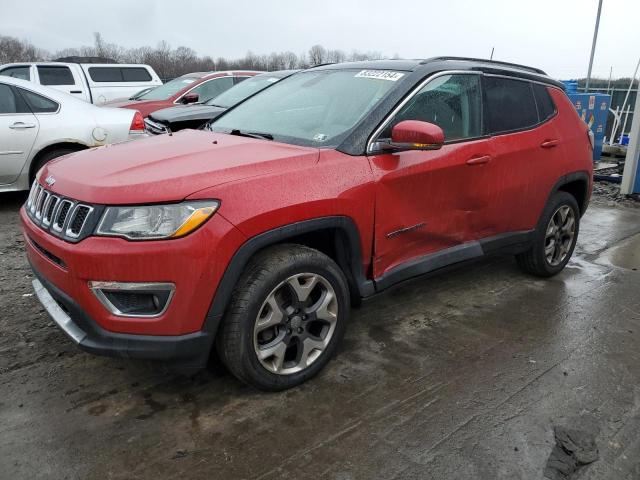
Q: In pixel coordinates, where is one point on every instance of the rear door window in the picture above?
(38, 103)
(546, 107)
(8, 101)
(509, 105)
(55, 75)
(17, 72)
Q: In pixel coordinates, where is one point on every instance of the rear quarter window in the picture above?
(135, 74)
(119, 74)
(509, 105)
(55, 75)
(546, 107)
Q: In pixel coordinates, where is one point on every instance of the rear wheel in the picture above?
(555, 237)
(285, 319)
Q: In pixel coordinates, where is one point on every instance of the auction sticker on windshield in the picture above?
(380, 75)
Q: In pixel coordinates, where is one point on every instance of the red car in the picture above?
(196, 87)
(255, 238)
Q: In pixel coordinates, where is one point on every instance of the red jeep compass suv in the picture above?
(254, 238)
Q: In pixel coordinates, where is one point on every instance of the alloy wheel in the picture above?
(559, 236)
(295, 323)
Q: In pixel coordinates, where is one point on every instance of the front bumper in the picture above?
(190, 351)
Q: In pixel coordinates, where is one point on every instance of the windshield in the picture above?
(163, 92)
(243, 90)
(314, 108)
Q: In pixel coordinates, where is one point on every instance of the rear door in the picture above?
(526, 149)
(428, 201)
(63, 78)
(18, 132)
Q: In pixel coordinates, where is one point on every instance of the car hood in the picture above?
(186, 112)
(169, 167)
(145, 107)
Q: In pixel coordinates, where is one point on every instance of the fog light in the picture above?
(145, 300)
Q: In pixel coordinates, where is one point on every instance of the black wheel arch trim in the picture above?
(582, 176)
(348, 250)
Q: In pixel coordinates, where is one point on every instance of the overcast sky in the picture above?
(554, 35)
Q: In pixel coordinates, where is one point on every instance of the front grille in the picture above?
(61, 216)
(154, 128)
(78, 219)
(64, 217)
(49, 208)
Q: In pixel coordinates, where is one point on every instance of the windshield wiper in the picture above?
(262, 136)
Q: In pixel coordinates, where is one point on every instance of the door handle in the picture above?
(549, 143)
(479, 160)
(21, 125)
(75, 91)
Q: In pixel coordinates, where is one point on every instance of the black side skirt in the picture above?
(515, 242)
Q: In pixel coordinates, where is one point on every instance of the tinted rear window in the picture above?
(55, 75)
(119, 74)
(546, 107)
(509, 105)
(135, 74)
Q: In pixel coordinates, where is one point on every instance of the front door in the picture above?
(18, 131)
(429, 201)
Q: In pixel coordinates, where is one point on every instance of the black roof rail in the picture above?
(484, 60)
(320, 65)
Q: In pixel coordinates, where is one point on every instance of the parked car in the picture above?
(137, 95)
(180, 117)
(332, 185)
(38, 124)
(91, 82)
(189, 88)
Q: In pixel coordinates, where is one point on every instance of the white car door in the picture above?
(18, 132)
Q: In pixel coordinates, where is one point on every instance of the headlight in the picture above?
(154, 222)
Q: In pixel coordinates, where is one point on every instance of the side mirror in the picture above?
(416, 135)
(190, 98)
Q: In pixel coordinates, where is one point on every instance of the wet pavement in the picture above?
(474, 374)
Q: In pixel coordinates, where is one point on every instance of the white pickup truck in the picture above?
(96, 83)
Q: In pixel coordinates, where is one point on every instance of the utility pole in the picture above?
(593, 45)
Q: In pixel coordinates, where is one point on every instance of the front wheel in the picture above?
(285, 319)
(554, 238)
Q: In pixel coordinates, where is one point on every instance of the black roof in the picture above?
(434, 64)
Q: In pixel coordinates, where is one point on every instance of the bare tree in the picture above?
(317, 55)
(171, 62)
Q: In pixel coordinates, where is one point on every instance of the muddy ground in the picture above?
(480, 373)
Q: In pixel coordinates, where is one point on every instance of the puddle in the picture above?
(625, 255)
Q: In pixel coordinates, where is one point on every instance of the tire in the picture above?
(46, 158)
(285, 318)
(538, 260)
